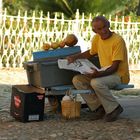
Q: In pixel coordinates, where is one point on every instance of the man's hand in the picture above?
(112, 69)
(70, 59)
(94, 74)
(84, 55)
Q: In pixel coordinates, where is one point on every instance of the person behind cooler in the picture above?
(111, 50)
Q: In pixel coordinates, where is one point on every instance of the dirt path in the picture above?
(54, 127)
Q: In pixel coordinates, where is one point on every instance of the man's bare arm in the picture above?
(112, 69)
(83, 55)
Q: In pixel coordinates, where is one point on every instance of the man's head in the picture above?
(101, 25)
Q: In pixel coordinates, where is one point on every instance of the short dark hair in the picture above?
(101, 18)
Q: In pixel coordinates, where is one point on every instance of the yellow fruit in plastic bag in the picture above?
(71, 40)
(54, 45)
(62, 44)
(46, 46)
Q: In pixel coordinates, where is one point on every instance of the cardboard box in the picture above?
(27, 103)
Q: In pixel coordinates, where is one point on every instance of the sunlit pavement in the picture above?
(131, 107)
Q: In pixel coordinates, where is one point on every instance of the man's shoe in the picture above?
(99, 113)
(114, 114)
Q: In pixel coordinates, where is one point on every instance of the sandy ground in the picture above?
(54, 127)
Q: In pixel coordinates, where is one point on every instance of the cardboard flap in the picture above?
(29, 89)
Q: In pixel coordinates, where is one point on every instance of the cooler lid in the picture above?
(56, 53)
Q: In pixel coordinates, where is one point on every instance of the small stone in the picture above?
(137, 130)
(60, 134)
(9, 126)
(137, 138)
(53, 135)
(91, 138)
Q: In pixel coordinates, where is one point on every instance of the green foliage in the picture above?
(69, 7)
(12, 6)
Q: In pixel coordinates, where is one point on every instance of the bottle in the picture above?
(66, 98)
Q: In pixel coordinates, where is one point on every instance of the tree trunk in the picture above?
(138, 10)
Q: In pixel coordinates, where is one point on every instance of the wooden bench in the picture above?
(56, 93)
(84, 91)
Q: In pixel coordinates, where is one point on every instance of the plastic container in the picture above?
(70, 109)
(47, 74)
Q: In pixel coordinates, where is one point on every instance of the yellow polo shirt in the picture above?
(109, 50)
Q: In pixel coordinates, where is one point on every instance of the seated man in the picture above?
(111, 50)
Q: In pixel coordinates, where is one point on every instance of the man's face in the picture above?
(101, 28)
